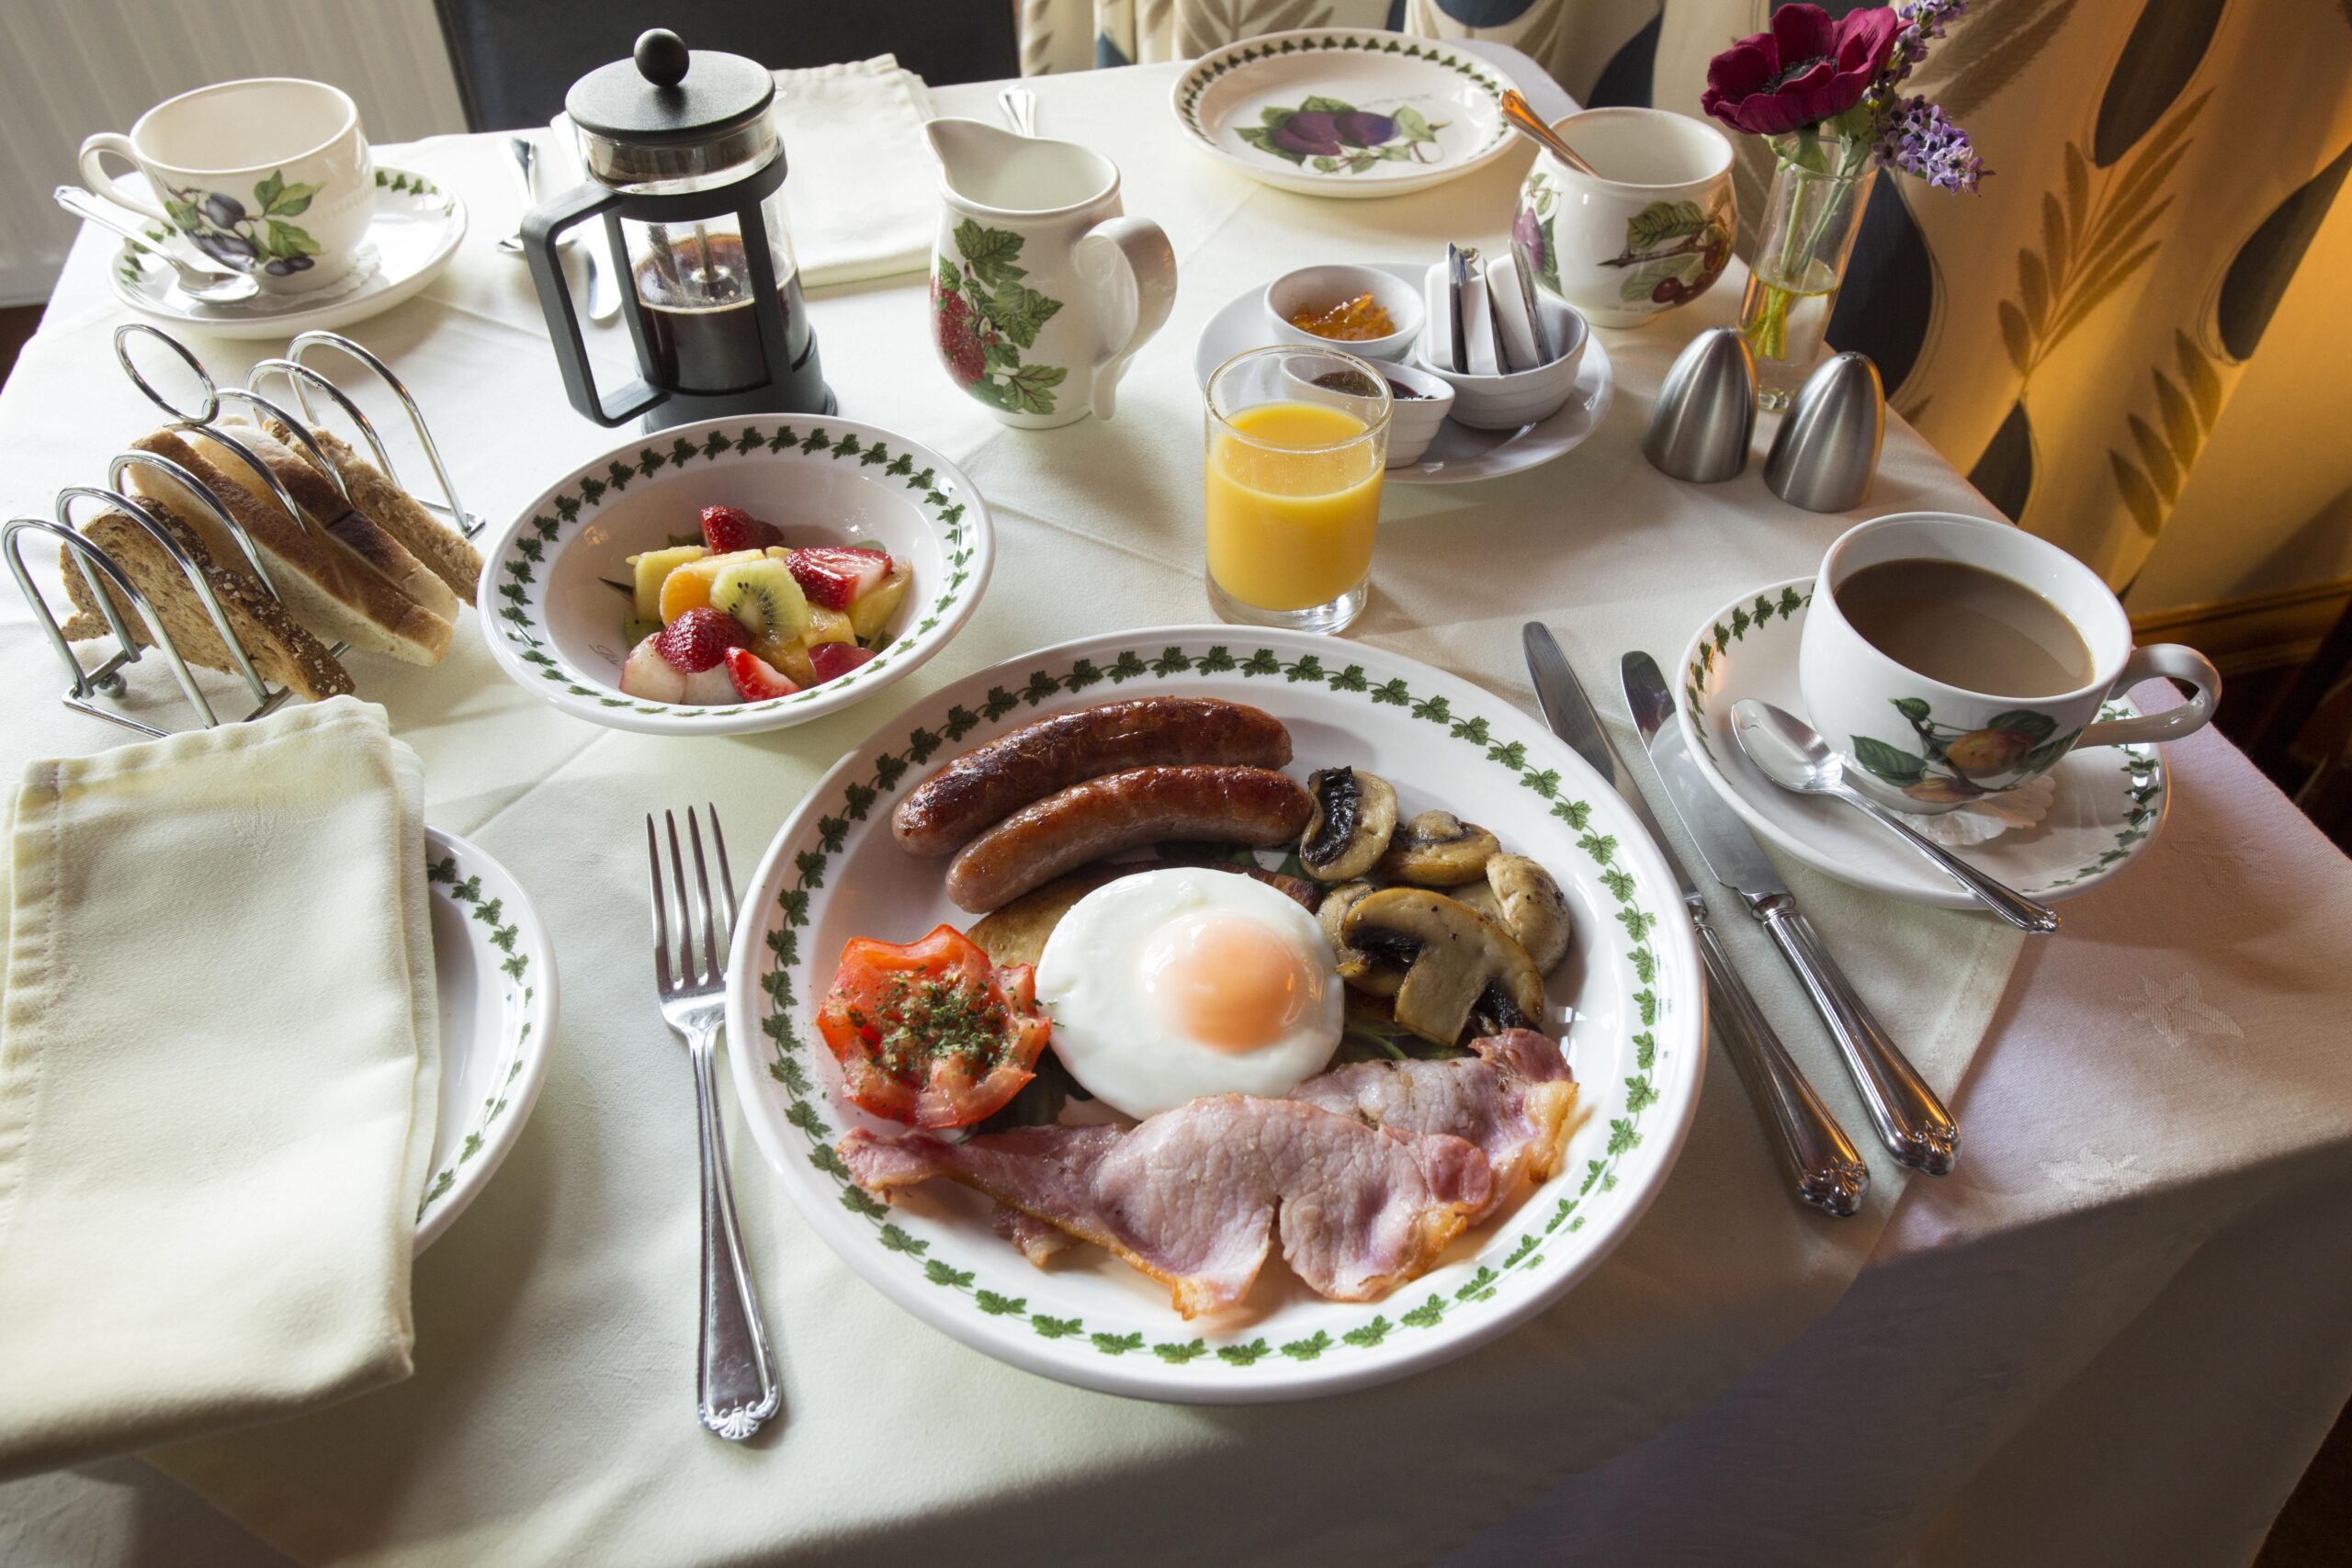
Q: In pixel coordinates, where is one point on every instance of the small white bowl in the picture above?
(1320, 287)
(1413, 423)
(1522, 397)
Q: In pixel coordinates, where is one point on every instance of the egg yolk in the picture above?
(1228, 983)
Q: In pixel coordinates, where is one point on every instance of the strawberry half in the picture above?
(727, 529)
(698, 640)
(831, 658)
(755, 679)
(832, 575)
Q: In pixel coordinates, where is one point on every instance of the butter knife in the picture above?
(1911, 1122)
(1827, 1168)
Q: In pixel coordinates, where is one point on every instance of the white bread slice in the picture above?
(398, 514)
(324, 505)
(280, 650)
(323, 581)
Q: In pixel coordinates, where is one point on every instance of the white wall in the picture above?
(71, 67)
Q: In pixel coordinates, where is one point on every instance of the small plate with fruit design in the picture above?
(1345, 112)
(736, 575)
(411, 238)
(2108, 804)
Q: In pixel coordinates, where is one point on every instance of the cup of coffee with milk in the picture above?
(1953, 658)
(270, 176)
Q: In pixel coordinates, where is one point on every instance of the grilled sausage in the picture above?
(1119, 811)
(990, 783)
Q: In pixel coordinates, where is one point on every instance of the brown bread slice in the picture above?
(324, 505)
(280, 650)
(325, 583)
(398, 514)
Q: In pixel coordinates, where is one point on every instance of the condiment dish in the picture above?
(1519, 397)
(1318, 288)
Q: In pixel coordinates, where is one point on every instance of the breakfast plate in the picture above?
(556, 583)
(1635, 1042)
(413, 236)
(1459, 454)
(1345, 112)
(2106, 810)
(496, 971)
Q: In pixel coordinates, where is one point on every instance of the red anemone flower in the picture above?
(1806, 70)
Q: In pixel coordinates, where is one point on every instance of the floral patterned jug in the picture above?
(1041, 291)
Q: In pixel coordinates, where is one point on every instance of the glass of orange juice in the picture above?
(1297, 438)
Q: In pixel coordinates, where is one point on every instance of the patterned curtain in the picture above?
(2070, 336)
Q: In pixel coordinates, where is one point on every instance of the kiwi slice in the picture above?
(636, 629)
(762, 596)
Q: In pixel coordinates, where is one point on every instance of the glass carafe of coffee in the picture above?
(687, 169)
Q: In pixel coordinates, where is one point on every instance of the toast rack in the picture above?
(97, 689)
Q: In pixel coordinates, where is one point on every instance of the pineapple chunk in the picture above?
(828, 625)
(872, 610)
(790, 659)
(688, 586)
(652, 568)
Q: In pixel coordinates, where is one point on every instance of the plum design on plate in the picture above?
(1332, 137)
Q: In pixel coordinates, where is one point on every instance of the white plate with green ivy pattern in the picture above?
(1345, 112)
(554, 594)
(1636, 1044)
(413, 236)
(495, 972)
(2108, 807)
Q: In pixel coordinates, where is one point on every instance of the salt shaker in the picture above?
(1826, 452)
(1706, 411)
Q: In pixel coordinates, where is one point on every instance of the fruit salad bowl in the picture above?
(575, 594)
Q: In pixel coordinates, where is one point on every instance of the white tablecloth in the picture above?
(2111, 1335)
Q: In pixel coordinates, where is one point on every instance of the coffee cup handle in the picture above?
(2180, 663)
(1139, 248)
(101, 183)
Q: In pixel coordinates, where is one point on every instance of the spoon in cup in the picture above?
(1523, 119)
(1787, 751)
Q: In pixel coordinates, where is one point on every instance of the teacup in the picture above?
(1653, 235)
(2026, 645)
(270, 176)
(1042, 289)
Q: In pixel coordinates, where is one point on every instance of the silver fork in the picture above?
(735, 1386)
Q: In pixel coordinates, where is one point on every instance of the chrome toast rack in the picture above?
(98, 690)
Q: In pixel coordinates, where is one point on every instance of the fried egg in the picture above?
(1172, 984)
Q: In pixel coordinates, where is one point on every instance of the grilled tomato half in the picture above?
(930, 1032)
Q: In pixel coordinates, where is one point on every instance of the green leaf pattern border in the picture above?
(1205, 71)
(519, 561)
(1506, 1260)
(2144, 779)
(443, 877)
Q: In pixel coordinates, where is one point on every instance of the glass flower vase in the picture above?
(1805, 234)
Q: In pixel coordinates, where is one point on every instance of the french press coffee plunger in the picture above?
(687, 169)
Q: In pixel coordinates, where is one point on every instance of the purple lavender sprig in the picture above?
(1918, 138)
(1923, 22)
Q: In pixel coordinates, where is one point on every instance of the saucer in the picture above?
(1459, 454)
(414, 234)
(1393, 113)
(2108, 804)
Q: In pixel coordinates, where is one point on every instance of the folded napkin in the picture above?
(220, 1064)
(862, 188)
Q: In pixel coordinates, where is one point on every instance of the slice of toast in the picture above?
(324, 583)
(324, 505)
(398, 514)
(280, 650)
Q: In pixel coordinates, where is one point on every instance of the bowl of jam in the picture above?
(1418, 404)
(1364, 312)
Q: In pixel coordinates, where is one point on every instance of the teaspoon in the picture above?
(1785, 748)
(1528, 123)
(204, 285)
(1020, 107)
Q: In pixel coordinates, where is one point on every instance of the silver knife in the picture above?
(1829, 1169)
(1912, 1123)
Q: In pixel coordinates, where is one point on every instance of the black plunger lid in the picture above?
(666, 95)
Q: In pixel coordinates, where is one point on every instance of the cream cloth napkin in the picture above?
(219, 1064)
(862, 188)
